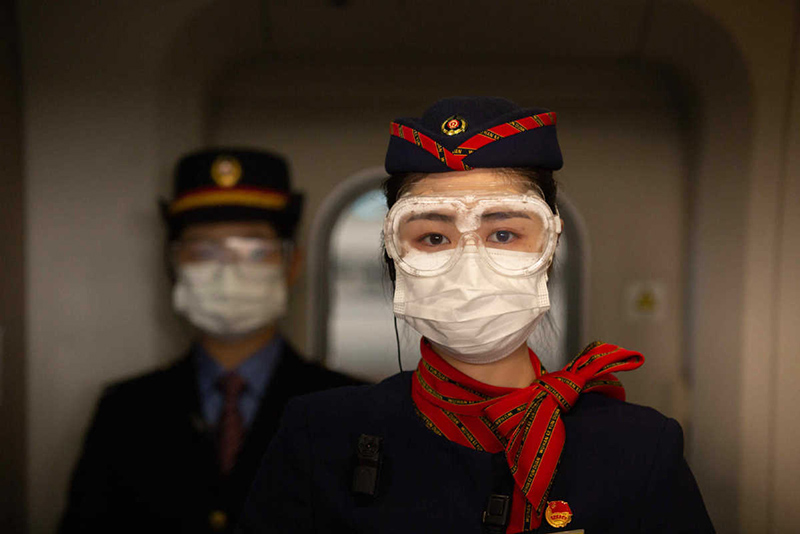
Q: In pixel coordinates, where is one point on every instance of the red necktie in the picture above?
(525, 423)
(231, 423)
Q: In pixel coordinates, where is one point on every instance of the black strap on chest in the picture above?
(369, 452)
(498, 505)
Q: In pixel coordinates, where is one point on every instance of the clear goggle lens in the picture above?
(515, 234)
(229, 249)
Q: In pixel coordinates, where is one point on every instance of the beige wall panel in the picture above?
(763, 33)
(785, 515)
(725, 447)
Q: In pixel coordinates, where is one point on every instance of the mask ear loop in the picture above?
(389, 262)
(397, 341)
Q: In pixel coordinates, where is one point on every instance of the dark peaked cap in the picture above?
(232, 184)
(462, 133)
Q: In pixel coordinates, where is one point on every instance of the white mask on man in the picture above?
(472, 312)
(230, 299)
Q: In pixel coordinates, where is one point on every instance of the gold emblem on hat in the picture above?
(558, 513)
(454, 125)
(218, 520)
(226, 171)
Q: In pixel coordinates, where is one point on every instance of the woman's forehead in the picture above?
(477, 180)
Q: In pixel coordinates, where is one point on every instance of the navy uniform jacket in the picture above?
(622, 470)
(149, 462)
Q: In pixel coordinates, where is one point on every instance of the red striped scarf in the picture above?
(523, 422)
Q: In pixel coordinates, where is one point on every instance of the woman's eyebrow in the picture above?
(505, 215)
(428, 216)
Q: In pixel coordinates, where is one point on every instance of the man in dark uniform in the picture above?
(176, 450)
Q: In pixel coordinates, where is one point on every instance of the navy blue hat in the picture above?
(462, 133)
(221, 184)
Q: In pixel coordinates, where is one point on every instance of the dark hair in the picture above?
(394, 185)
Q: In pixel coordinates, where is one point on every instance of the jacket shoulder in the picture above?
(607, 436)
(621, 426)
(388, 391)
(641, 451)
(596, 405)
(159, 378)
(313, 375)
(359, 405)
(629, 420)
(151, 390)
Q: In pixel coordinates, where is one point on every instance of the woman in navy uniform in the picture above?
(480, 438)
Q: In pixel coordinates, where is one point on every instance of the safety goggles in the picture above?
(515, 234)
(230, 249)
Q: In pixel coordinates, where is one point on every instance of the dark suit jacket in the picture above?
(622, 470)
(149, 462)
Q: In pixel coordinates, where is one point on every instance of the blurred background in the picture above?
(680, 127)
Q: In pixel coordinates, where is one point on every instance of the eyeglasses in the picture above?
(230, 249)
(515, 234)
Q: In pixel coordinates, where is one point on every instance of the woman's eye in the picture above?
(434, 240)
(502, 236)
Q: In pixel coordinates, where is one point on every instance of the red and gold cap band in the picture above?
(239, 196)
(454, 159)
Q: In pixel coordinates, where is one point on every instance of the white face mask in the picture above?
(230, 299)
(471, 312)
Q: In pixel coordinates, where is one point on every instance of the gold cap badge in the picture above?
(218, 520)
(454, 125)
(226, 171)
(558, 514)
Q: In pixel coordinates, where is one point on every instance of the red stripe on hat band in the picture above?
(504, 130)
(454, 159)
(428, 144)
(528, 122)
(241, 188)
(408, 134)
(205, 197)
(454, 162)
(475, 143)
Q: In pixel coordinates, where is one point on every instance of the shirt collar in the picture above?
(254, 370)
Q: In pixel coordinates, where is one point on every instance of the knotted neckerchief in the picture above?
(523, 422)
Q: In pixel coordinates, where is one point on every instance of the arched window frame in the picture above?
(318, 303)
